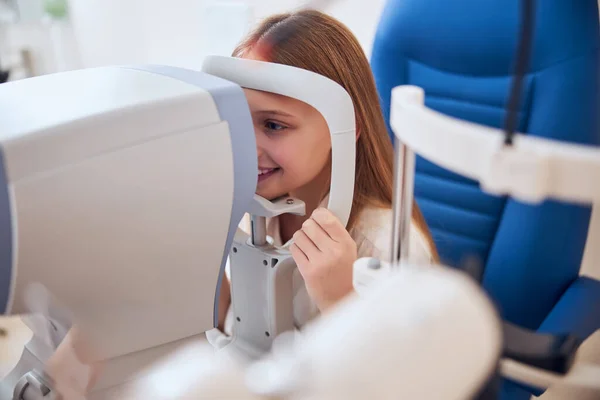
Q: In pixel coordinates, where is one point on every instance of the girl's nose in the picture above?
(260, 150)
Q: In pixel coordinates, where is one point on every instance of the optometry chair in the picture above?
(463, 54)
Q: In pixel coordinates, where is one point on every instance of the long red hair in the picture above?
(316, 42)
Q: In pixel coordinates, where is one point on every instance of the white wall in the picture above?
(32, 37)
(179, 33)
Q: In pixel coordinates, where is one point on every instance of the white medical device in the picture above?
(121, 191)
(107, 212)
(88, 199)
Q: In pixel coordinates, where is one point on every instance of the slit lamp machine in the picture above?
(121, 190)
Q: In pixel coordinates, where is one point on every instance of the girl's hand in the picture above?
(325, 253)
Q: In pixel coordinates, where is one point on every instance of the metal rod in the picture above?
(407, 202)
(258, 232)
(396, 201)
(404, 177)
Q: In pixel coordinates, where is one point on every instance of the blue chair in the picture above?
(461, 53)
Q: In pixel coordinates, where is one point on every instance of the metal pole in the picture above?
(404, 178)
(396, 196)
(408, 190)
(258, 232)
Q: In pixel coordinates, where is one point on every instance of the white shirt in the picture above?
(372, 234)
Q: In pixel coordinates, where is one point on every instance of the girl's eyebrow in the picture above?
(273, 112)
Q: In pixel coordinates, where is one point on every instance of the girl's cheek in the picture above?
(281, 160)
(289, 150)
(281, 154)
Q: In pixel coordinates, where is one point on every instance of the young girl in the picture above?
(294, 158)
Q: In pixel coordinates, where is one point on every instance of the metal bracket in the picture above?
(33, 386)
(262, 207)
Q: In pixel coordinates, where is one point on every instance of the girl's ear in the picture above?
(358, 132)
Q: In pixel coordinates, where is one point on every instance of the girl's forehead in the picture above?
(266, 101)
(261, 101)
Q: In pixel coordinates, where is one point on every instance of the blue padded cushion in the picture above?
(583, 295)
(463, 58)
(462, 54)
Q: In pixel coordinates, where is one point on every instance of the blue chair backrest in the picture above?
(462, 53)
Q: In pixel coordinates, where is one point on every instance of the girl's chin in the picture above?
(269, 193)
(269, 196)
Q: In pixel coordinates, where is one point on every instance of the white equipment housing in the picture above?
(107, 213)
(87, 199)
(122, 188)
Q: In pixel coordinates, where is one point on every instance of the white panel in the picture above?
(42, 102)
(132, 240)
(52, 121)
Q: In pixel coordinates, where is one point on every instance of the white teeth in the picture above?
(264, 171)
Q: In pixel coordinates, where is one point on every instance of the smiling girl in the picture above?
(294, 158)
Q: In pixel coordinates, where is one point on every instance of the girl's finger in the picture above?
(306, 245)
(330, 224)
(299, 256)
(317, 235)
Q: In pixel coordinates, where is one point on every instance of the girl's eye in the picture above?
(273, 126)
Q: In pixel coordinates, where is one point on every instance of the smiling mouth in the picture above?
(265, 173)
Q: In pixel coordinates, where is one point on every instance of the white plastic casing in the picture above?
(532, 169)
(107, 187)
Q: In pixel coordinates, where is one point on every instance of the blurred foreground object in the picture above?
(420, 333)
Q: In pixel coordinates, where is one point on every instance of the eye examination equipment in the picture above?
(112, 147)
(71, 198)
(142, 174)
(105, 205)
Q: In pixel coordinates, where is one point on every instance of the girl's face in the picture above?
(293, 144)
